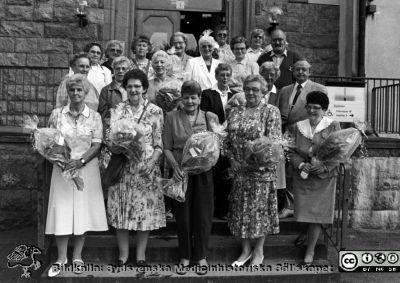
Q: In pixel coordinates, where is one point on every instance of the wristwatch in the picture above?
(83, 161)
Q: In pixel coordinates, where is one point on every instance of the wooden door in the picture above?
(158, 25)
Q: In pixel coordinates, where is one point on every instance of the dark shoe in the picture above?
(120, 262)
(285, 213)
(300, 240)
(142, 263)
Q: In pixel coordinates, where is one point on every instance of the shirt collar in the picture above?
(215, 87)
(303, 85)
(85, 111)
(304, 127)
(251, 50)
(273, 89)
(279, 55)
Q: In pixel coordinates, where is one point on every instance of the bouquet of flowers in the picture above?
(126, 134)
(201, 152)
(51, 144)
(263, 152)
(169, 94)
(338, 147)
(174, 190)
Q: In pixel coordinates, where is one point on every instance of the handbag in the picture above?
(114, 171)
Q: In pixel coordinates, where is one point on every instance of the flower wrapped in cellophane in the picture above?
(173, 189)
(338, 147)
(263, 152)
(168, 94)
(50, 143)
(126, 134)
(201, 152)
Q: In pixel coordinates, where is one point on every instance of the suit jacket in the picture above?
(286, 77)
(197, 70)
(211, 101)
(298, 112)
(177, 130)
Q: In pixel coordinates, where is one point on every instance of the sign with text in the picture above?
(346, 103)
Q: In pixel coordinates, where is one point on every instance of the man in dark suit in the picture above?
(282, 57)
(215, 100)
(292, 98)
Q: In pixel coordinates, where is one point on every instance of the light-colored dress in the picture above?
(314, 198)
(253, 209)
(71, 211)
(137, 203)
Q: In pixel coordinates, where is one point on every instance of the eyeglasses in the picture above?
(257, 36)
(313, 107)
(116, 50)
(95, 52)
(251, 89)
(222, 34)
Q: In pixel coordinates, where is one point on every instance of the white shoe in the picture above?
(259, 263)
(55, 268)
(240, 263)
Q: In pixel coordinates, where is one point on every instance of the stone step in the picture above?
(272, 271)
(165, 248)
(219, 227)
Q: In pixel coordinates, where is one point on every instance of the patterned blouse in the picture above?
(79, 132)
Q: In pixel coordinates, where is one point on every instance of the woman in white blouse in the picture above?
(99, 76)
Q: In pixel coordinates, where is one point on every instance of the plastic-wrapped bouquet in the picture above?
(50, 143)
(263, 152)
(338, 147)
(201, 152)
(126, 134)
(169, 94)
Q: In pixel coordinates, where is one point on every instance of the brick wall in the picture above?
(312, 31)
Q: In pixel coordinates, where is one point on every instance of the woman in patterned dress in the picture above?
(253, 203)
(72, 211)
(136, 202)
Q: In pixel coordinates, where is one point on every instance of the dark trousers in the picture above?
(222, 186)
(194, 217)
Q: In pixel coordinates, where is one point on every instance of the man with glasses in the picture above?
(292, 103)
(114, 48)
(282, 57)
(224, 51)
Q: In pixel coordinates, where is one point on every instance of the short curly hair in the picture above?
(139, 39)
(137, 75)
(78, 79)
(239, 39)
(191, 87)
(91, 44)
(78, 56)
(318, 97)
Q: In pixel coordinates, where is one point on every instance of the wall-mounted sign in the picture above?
(180, 5)
(346, 103)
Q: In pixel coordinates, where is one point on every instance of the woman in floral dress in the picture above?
(136, 202)
(253, 203)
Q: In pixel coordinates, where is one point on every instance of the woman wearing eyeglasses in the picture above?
(114, 48)
(99, 76)
(221, 33)
(202, 69)
(314, 197)
(253, 209)
(241, 65)
(257, 40)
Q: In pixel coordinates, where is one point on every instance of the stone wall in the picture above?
(34, 35)
(375, 187)
(18, 184)
(312, 31)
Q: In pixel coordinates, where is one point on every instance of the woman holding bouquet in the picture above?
(253, 208)
(164, 88)
(136, 201)
(194, 216)
(72, 211)
(314, 196)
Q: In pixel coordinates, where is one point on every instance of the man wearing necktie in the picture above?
(292, 102)
(215, 100)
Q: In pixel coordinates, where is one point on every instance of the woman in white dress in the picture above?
(72, 211)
